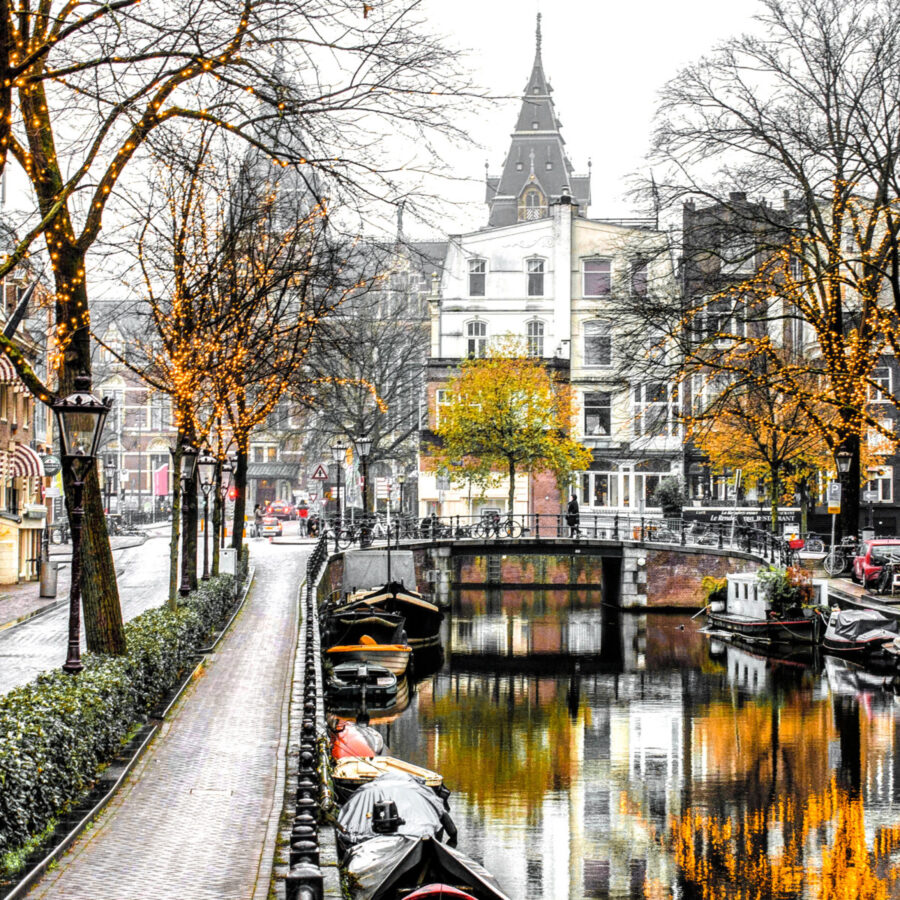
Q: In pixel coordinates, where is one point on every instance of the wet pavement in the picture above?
(198, 816)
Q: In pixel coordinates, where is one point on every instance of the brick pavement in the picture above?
(191, 820)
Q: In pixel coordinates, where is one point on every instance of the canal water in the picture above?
(593, 753)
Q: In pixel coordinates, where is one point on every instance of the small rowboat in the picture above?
(422, 619)
(350, 739)
(349, 773)
(363, 682)
(394, 657)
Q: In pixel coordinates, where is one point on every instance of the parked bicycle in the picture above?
(840, 557)
(59, 532)
(890, 568)
(492, 526)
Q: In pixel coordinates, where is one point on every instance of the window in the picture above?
(160, 413)
(876, 441)
(597, 414)
(535, 338)
(881, 375)
(882, 484)
(441, 399)
(535, 269)
(477, 269)
(739, 255)
(597, 277)
(476, 333)
(531, 205)
(655, 409)
(600, 489)
(639, 279)
(271, 454)
(597, 345)
(519, 166)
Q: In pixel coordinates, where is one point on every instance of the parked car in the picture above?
(281, 509)
(271, 526)
(871, 557)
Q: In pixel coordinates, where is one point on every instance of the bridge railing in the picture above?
(372, 530)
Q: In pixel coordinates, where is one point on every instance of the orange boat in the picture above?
(394, 657)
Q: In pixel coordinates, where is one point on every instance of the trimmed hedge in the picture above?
(57, 732)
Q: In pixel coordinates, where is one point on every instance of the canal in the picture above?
(594, 753)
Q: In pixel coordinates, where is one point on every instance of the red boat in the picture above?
(435, 891)
(351, 739)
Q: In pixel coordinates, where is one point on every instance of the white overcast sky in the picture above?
(606, 62)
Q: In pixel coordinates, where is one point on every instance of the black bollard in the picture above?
(304, 882)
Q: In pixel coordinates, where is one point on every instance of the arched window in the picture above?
(477, 270)
(476, 337)
(532, 205)
(535, 339)
(535, 270)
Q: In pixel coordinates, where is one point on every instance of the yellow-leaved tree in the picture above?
(506, 413)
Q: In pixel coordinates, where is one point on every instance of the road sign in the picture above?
(312, 496)
(869, 496)
(320, 474)
(834, 497)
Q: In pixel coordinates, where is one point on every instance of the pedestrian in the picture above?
(573, 517)
(303, 519)
(257, 520)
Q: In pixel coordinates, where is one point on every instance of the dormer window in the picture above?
(549, 165)
(535, 90)
(519, 167)
(477, 270)
(535, 126)
(532, 205)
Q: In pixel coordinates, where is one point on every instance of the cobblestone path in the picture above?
(198, 816)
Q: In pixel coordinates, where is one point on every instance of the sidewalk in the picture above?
(20, 602)
(198, 816)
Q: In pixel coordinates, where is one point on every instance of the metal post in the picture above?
(73, 663)
(185, 587)
(205, 576)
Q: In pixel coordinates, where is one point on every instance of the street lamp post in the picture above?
(364, 448)
(206, 466)
(79, 418)
(188, 470)
(401, 480)
(339, 454)
(109, 474)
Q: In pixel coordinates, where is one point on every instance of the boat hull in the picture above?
(393, 657)
(348, 774)
(773, 630)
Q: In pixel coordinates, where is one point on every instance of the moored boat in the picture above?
(348, 625)
(362, 682)
(860, 631)
(353, 739)
(422, 618)
(350, 773)
(747, 612)
(393, 865)
(394, 657)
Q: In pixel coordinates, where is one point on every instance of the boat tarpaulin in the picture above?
(422, 812)
(860, 626)
(378, 867)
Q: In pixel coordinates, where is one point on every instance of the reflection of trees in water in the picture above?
(774, 818)
(729, 857)
(504, 741)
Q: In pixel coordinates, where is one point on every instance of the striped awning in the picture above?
(26, 463)
(8, 372)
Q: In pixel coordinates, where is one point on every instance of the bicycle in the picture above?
(494, 526)
(838, 558)
(59, 533)
(813, 543)
(889, 569)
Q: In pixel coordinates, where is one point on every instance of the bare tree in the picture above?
(90, 89)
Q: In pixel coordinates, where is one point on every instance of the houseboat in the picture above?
(747, 612)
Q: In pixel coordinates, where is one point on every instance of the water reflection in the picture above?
(598, 754)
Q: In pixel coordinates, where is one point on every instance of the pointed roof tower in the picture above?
(537, 170)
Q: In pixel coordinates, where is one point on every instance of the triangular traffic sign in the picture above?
(320, 474)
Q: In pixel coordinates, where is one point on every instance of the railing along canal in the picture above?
(368, 531)
(305, 880)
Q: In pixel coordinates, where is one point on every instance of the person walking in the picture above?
(257, 520)
(573, 517)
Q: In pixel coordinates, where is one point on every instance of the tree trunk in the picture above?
(176, 526)
(512, 485)
(773, 472)
(189, 534)
(217, 520)
(103, 625)
(240, 500)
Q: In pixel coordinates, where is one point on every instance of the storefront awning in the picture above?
(273, 470)
(26, 463)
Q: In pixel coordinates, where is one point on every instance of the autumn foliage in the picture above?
(507, 414)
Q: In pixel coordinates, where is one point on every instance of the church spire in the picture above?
(525, 190)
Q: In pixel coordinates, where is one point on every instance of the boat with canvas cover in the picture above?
(391, 866)
(860, 631)
(354, 739)
(422, 618)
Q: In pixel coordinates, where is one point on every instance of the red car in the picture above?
(871, 557)
(281, 509)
